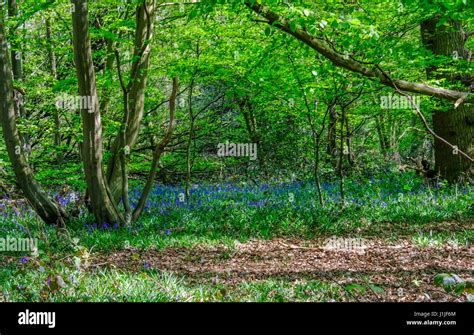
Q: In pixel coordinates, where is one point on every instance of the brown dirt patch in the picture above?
(393, 266)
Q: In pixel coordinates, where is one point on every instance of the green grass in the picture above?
(426, 215)
(114, 285)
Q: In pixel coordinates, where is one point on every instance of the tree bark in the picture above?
(456, 125)
(103, 205)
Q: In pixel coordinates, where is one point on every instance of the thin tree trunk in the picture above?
(54, 74)
(108, 70)
(341, 156)
(158, 152)
(349, 143)
(332, 131)
(379, 125)
(248, 113)
(189, 141)
(136, 88)
(316, 147)
(124, 149)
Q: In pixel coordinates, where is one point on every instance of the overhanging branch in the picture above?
(353, 65)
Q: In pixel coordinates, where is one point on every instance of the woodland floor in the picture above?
(386, 265)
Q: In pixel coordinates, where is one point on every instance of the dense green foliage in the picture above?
(339, 153)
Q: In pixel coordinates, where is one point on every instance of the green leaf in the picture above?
(355, 22)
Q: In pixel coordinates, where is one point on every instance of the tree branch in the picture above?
(353, 65)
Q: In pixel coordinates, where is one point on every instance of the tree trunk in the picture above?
(103, 206)
(454, 125)
(54, 74)
(379, 125)
(348, 153)
(18, 76)
(15, 53)
(136, 92)
(316, 146)
(158, 152)
(332, 134)
(108, 71)
(340, 166)
(248, 113)
(189, 167)
(49, 211)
